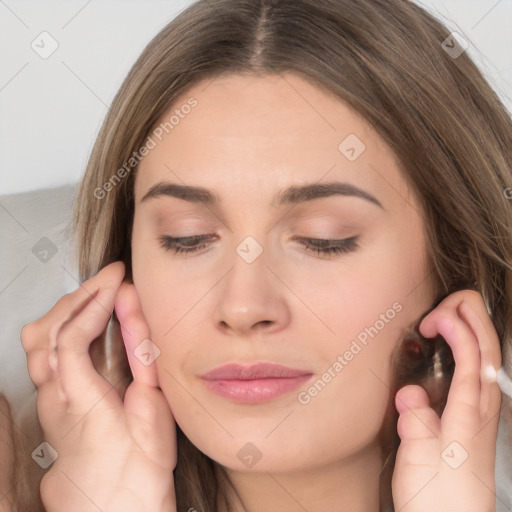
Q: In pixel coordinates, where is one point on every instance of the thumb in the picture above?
(152, 424)
(417, 419)
(141, 351)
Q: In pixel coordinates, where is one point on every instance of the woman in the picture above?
(286, 201)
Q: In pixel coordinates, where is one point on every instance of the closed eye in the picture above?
(187, 244)
(317, 246)
(329, 247)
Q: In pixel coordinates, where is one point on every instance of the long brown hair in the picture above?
(451, 134)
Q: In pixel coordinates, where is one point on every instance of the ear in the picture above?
(140, 349)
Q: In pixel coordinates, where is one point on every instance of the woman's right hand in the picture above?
(113, 455)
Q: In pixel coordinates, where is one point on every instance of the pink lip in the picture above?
(256, 383)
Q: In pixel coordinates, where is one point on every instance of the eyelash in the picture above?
(321, 248)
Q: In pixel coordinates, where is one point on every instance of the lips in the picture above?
(254, 384)
(257, 371)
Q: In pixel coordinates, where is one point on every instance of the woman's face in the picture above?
(254, 291)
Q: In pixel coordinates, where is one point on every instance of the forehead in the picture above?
(261, 133)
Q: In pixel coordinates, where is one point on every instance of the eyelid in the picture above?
(322, 247)
(169, 243)
(330, 247)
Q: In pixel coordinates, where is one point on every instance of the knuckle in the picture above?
(444, 317)
(109, 276)
(29, 335)
(35, 368)
(473, 297)
(66, 301)
(72, 335)
(468, 295)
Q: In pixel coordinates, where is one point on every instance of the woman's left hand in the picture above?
(447, 464)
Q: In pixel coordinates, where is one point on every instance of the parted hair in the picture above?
(451, 134)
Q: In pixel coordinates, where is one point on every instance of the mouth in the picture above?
(255, 383)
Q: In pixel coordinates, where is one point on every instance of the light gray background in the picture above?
(51, 109)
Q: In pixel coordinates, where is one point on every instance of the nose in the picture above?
(251, 298)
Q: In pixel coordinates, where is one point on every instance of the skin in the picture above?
(247, 139)
(212, 307)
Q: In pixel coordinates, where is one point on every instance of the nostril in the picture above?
(265, 322)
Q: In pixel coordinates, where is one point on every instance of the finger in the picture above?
(141, 351)
(38, 338)
(477, 319)
(417, 419)
(52, 410)
(39, 367)
(39, 343)
(75, 368)
(42, 358)
(462, 407)
(152, 424)
(66, 308)
(479, 322)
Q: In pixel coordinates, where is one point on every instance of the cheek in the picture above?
(367, 311)
(372, 295)
(155, 284)
(355, 311)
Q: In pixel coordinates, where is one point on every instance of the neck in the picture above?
(351, 484)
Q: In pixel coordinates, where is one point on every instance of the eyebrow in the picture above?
(292, 195)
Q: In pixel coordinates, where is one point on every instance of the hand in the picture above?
(447, 463)
(113, 456)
